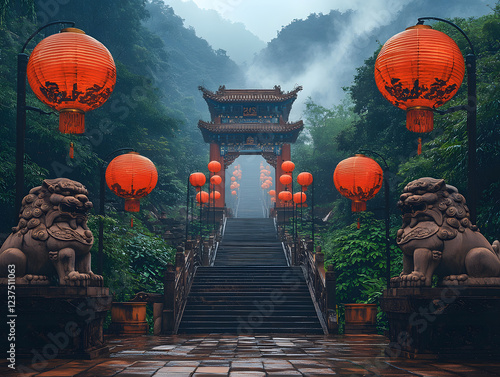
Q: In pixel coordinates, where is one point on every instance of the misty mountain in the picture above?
(191, 60)
(240, 44)
(322, 52)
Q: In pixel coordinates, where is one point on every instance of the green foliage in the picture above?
(359, 259)
(134, 259)
(317, 149)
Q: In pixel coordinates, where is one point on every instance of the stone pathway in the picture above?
(250, 356)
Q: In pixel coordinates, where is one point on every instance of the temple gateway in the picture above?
(250, 121)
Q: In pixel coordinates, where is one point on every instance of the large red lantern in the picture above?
(358, 178)
(214, 166)
(418, 70)
(286, 179)
(131, 176)
(304, 179)
(72, 73)
(287, 166)
(197, 180)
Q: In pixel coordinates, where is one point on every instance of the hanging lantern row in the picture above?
(419, 70)
(265, 177)
(72, 73)
(358, 178)
(131, 176)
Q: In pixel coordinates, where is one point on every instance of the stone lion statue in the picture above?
(437, 237)
(52, 236)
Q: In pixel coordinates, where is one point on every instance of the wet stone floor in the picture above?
(250, 356)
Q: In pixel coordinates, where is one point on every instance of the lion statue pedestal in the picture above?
(459, 317)
(56, 304)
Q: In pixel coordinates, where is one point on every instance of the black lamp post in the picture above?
(22, 64)
(471, 108)
(387, 217)
(102, 200)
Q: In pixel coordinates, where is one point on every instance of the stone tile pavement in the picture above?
(250, 356)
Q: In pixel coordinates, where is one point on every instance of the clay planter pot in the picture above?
(360, 318)
(128, 318)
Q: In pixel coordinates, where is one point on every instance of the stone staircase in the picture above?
(250, 289)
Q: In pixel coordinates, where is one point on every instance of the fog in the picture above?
(322, 69)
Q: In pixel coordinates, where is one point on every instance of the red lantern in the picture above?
(285, 196)
(233, 179)
(233, 192)
(299, 197)
(72, 73)
(131, 176)
(202, 197)
(272, 193)
(214, 166)
(418, 70)
(358, 178)
(287, 166)
(214, 195)
(285, 179)
(305, 179)
(215, 179)
(197, 180)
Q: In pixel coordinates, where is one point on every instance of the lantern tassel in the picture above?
(359, 225)
(131, 222)
(71, 150)
(71, 121)
(419, 149)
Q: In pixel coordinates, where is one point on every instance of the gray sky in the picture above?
(278, 13)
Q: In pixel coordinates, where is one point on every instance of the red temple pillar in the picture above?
(215, 156)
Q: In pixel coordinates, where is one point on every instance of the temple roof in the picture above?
(250, 95)
(250, 127)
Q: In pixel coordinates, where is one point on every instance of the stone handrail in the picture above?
(321, 282)
(179, 278)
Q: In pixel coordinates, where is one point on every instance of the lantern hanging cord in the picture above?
(375, 153)
(43, 27)
(422, 19)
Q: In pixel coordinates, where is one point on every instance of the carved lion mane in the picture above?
(437, 236)
(52, 236)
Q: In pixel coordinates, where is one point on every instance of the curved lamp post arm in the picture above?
(22, 65)
(471, 108)
(43, 27)
(422, 19)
